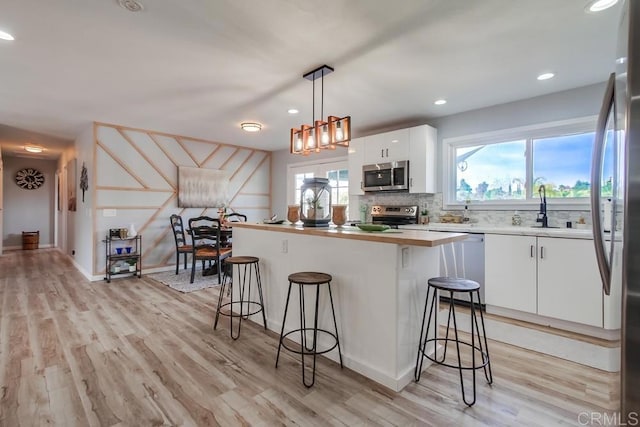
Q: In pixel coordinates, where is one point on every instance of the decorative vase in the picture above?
(293, 214)
(132, 268)
(339, 215)
(132, 231)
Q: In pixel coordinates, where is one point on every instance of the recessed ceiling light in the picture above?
(599, 5)
(33, 149)
(440, 102)
(6, 36)
(545, 76)
(250, 126)
(292, 111)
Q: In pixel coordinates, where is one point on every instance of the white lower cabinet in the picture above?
(510, 272)
(553, 277)
(569, 286)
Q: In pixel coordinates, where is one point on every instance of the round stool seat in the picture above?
(310, 278)
(454, 284)
(241, 259)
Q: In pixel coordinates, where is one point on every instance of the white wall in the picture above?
(81, 240)
(28, 210)
(570, 104)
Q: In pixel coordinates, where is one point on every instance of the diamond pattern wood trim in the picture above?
(157, 250)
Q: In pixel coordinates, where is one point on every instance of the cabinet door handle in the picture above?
(541, 252)
(532, 251)
(387, 152)
(410, 182)
(382, 152)
(361, 186)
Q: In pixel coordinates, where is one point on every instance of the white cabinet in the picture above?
(416, 144)
(356, 160)
(511, 272)
(551, 277)
(422, 159)
(387, 147)
(569, 286)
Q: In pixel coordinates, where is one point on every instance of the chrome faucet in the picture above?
(542, 215)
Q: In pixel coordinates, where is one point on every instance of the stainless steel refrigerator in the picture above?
(616, 176)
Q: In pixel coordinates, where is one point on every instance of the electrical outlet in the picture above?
(285, 246)
(405, 257)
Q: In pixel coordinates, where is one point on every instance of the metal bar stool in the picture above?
(245, 289)
(303, 279)
(470, 287)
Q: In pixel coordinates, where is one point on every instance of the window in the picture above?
(337, 172)
(508, 167)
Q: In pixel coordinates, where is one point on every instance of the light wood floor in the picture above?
(136, 353)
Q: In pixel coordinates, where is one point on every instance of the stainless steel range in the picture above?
(394, 215)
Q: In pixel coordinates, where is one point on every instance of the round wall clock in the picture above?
(29, 178)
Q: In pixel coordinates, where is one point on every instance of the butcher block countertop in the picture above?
(397, 237)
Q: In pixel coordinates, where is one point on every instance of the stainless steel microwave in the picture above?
(392, 176)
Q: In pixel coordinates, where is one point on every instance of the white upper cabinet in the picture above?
(422, 159)
(387, 147)
(356, 161)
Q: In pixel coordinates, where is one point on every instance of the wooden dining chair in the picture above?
(179, 236)
(207, 244)
(231, 218)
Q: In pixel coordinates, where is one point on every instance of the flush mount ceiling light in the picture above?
(321, 134)
(251, 126)
(440, 102)
(595, 6)
(292, 111)
(6, 36)
(33, 149)
(546, 76)
(131, 5)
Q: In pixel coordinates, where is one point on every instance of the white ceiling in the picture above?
(201, 67)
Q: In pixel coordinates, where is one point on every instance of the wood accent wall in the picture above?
(136, 177)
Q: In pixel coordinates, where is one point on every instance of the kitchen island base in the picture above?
(378, 289)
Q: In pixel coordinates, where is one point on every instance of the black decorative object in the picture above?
(29, 179)
(84, 180)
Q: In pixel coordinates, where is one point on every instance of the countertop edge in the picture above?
(405, 237)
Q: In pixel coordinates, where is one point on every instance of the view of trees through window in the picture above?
(499, 171)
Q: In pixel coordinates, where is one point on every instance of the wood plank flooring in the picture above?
(137, 353)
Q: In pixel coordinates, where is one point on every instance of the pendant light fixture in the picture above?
(321, 134)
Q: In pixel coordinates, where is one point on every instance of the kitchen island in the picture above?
(379, 288)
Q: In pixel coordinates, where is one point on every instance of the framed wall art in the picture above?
(202, 188)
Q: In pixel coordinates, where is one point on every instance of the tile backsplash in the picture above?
(433, 202)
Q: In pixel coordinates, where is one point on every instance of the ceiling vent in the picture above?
(131, 5)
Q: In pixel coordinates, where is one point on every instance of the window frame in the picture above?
(321, 166)
(527, 133)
